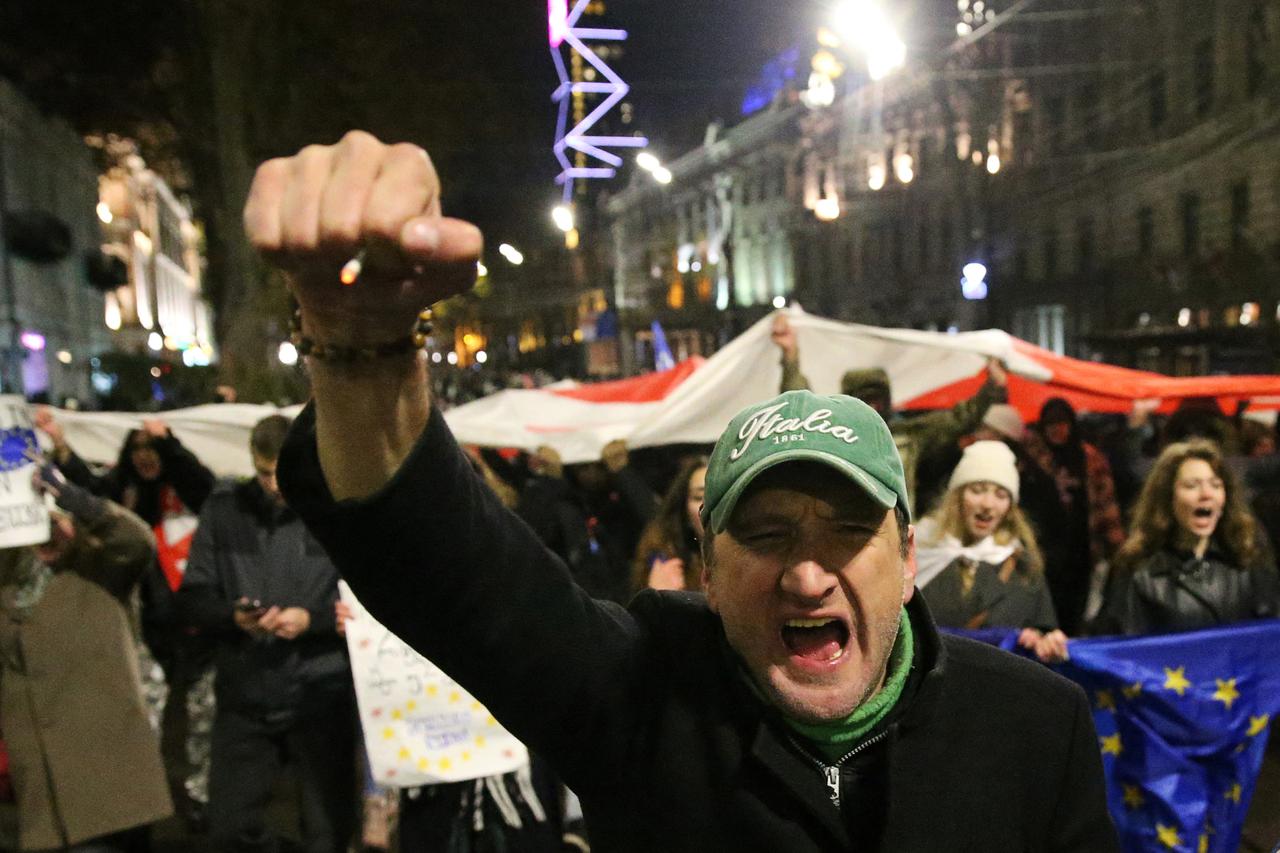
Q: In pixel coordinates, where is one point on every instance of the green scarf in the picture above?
(835, 740)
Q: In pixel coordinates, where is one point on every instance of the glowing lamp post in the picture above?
(974, 284)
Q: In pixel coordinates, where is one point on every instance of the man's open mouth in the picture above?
(815, 639)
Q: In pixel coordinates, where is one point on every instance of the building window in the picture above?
(1050, 254)
(1146, 232)
(1084, 245)
(1087, 115)
(1042, 325)
(1204, 76)
(1055, 110)
(1157, 100)
(1190, 204)
(1240, 215)
(898, 247)
(1256, 39)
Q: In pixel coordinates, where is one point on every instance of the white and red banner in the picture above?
(693, 401)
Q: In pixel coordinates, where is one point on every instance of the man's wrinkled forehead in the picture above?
(836, 494)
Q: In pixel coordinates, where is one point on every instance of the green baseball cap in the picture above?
(800, 426)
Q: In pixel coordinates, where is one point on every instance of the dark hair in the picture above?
(1154, 526)
(268, 436)
(670, 533)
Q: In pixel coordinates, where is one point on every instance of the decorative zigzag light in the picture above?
(563, 28)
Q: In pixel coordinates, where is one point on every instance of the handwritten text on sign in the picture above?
(23, 517)
(420, 727)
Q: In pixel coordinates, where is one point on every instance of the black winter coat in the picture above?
(644, 711)
(1174, 590)
(247, 547)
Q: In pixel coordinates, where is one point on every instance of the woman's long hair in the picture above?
(949, 515)
(670, 533)
(1154, 526)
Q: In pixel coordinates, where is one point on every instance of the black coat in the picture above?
(1174, 590)
(247, 547)
(644, 711)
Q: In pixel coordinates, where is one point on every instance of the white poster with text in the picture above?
(24, 519)
(420, 727)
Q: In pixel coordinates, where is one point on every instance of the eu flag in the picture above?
(1182, 724)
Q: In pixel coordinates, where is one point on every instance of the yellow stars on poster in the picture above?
(410, 705)
(1258, 725)
(432, 690)
(423, 764)
(476, 706)
(1176, 680)
(388, 733)
(1168, 836)
(1111, 744)
(1106, 700)
(1234, 792)
(479, 741)
(397, 715)
(445, 764)
(466, 756)
(405, 754)
(1132, 691)
(1133, 797)
(1226, 692)
(455, 696)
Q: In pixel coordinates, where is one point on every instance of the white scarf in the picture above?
(936, 550)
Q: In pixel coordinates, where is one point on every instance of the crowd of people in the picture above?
(1017, 526)
(618, 680)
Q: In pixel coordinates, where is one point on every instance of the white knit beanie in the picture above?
(987, 462)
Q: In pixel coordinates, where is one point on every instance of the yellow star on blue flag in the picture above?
(1197, 707)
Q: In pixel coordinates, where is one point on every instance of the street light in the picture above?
(827, 209)
(662, 175)
(511, 253)
(647, 161)
(865, 25)
(974, 285)
(287, 353)
(562, 216)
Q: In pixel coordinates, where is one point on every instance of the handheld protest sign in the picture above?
(24, 518)
(420, 727)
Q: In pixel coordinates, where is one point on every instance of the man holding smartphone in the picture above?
(264, 588)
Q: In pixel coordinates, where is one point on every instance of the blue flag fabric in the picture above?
(1182, 723)
(662, 357)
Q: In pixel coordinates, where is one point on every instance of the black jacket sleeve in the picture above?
(203, 601)
(1081, 823)
(437, 559)
(188, 475)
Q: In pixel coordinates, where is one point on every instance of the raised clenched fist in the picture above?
(310, 213)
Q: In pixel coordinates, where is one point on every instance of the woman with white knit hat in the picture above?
(978, 562)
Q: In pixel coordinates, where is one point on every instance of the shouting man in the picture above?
(806, 703)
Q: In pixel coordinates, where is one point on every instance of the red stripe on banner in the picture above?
(1096, 387)
(649, 388)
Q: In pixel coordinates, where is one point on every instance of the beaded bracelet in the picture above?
(348, 354)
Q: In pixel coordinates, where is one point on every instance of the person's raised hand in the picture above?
(1142, 410)
(155, 427)
(48, 424)
(310, 213)
(784, 337)
(997, 373)
(615, 456)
